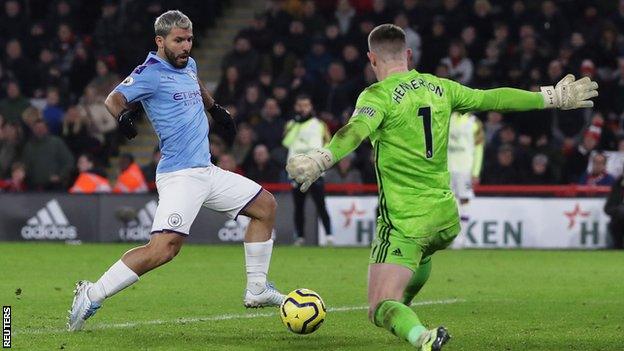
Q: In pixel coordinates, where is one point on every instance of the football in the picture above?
(303, 311)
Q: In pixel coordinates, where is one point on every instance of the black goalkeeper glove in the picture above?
(220, 114)
(126, 123)
(222, 117)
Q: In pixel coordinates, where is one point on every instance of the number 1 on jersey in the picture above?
(425, 113)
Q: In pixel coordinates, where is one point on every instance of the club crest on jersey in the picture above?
(192, 75)
(128, 81)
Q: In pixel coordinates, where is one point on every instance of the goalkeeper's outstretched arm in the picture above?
(566, 95)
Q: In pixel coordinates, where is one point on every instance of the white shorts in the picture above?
(461, 183)
(182, 193)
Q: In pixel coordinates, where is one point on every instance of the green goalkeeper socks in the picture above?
(400, 320)
(418, 281)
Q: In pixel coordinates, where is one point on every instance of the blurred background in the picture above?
(61, 58)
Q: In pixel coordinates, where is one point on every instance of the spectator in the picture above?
(279, 62)
(14, 104)
(460, 67)
(131, 178)
(103, 127)
(271, 129)
(149, 170)
(249, 107)
(337, 94)
(19, 65)
(576, 162)
(243, 144)
(297, 41)
(13, 23)
(243, 57)
(303, 134)
(258, 34)
(614, 208)
(541, 173)
(89, 180)
(263, 169)
(108, 28)
(345, 15)
(317, 60)
(17, 183)
(48, 160)
(504, 171)
(11, 141)
(65, 45)
(82, 68)
(597, 174)
(412, 38)
(53, 112)
(343, 172)
(312, 20)
(552, 26)
(436, 46)
(352, 62)
(230, 87)
(76, 133)
(105, 81)
(46, 71)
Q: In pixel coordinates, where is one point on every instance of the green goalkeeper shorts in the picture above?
(391, 246)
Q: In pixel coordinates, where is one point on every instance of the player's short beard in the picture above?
(171, 57)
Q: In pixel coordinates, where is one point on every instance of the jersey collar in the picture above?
(154, 55)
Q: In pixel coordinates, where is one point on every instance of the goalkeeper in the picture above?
(406, 116)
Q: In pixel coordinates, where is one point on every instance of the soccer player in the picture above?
(465, 157)
(406, 115)
(174, 100)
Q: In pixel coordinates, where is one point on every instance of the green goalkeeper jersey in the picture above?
(407, 118)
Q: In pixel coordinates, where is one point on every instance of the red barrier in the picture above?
(535, 190)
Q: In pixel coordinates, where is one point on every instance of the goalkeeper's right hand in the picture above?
(305, 169)
(569, 93)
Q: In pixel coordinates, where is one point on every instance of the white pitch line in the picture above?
(222, 317)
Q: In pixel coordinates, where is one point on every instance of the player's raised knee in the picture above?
(264, 207)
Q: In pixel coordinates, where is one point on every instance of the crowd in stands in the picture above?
(319, 48)
(61, 58)
(59, 61)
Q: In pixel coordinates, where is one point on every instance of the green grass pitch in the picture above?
(489, 300)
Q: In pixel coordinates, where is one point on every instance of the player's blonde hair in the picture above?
(171, 19)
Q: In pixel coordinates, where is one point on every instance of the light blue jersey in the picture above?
(173, 103)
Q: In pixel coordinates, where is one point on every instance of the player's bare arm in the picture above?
(124, 112)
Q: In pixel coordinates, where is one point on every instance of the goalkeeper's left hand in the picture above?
(305, 169)
(570, 94)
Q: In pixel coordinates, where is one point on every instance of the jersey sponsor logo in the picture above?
(400, 90)
(140, 226)
(128, 81)
(50, 223)
(186, 95)
(365, 110)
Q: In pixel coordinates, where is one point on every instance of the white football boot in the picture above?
(82, 308)
(270, 296)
